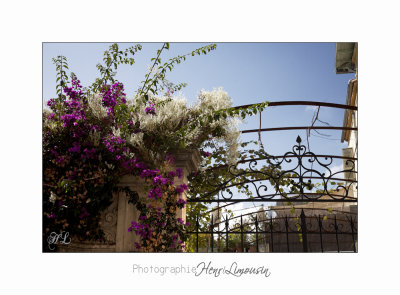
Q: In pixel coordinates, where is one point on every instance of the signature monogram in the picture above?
(54, 238)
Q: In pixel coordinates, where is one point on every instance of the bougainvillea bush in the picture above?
(93, 136)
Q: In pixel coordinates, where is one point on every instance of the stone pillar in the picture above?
(117, 218)
(188, 161)
(127, 213)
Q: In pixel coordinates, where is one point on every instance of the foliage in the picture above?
(155, 81)
(93, 136)
(62, 78)
(112, 59)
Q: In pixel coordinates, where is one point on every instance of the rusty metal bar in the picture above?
(339, 198)
(293, 156)
(347, 200)
(305, 208)
(301, 102)
(299, 128)
(289, 177)
(287, 156)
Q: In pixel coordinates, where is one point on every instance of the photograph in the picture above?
(180, 147)
(163, 147)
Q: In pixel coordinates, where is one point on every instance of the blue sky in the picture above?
(249, 72)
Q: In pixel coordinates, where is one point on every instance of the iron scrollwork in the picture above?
(272, 182)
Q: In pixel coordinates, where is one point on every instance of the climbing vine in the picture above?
(94, 135)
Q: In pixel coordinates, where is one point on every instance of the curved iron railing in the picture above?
(266, 184)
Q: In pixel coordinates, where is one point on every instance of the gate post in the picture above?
(188, 161)
(118, 217)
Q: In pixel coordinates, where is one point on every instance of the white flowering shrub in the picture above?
(93, 136)
(170, 124)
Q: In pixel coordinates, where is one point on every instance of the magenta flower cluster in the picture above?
(181, 203)
(151, 108)
(58, 159)
(181, 221)
(155, 193)
(74, 107)
(74, 92)
(116, 146)
(113, 96)
(142, 229)
(160, 184)
(181, 188)
(133, 165)
(87, 153)
(77, 127)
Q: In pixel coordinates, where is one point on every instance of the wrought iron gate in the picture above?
(305, 223)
